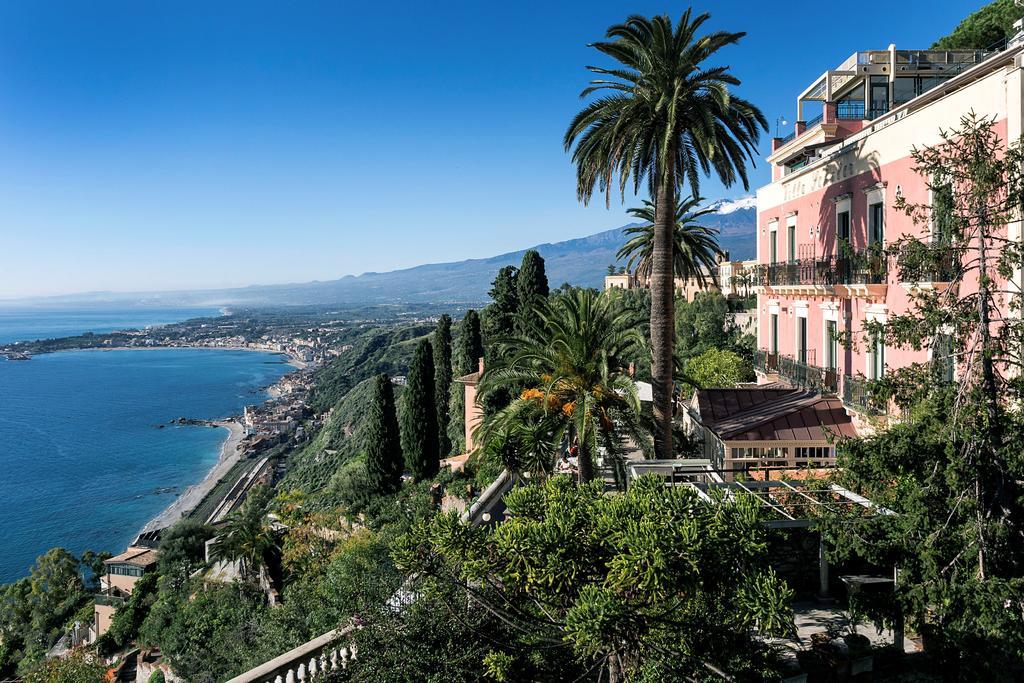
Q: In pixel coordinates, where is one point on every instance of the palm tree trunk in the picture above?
(663, 307)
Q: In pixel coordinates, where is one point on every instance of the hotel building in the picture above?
(827, 214)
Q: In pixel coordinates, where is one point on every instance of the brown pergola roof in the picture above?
(773, 415)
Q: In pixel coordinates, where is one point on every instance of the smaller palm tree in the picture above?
(246, 537)
(695, 250)
(570, 374)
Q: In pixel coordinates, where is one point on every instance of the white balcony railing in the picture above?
(308, 662)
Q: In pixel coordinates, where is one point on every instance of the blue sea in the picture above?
(83, 462)
(28, 324)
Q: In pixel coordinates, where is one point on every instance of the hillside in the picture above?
(581, 262)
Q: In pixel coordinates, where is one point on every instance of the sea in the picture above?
(87, 452)
(30, 324)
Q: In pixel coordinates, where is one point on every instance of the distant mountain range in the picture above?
(581, 262)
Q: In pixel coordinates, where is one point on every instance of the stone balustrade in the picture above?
(310, 661)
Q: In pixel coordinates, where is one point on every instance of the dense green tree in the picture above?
(665, 116)
(695, 250)
(76, 667)
(381, 439)
(442, 343)
(34, 609)
(717, 368)
(208, 635)
(419, 415)
(183, 549)
(574, 367)
(531, 289)
(706, 323)
(986, 29)
(469, 349)
(653, 584)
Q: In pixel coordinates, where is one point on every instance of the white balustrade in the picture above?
(307, 663)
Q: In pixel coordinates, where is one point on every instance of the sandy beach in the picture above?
(193, 495)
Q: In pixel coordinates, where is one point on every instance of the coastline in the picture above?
(193, 495)
(293, 360)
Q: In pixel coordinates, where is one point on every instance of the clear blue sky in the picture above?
(148, 146)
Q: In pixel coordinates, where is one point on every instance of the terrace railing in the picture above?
(802, 372)
(867, 267)
(766, 362)
(311, 661)
(850, 110)
(859, 395)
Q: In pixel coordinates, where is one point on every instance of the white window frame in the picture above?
(843, 204)
(829, 314)
(800, 311)
(875, 195)
(791, 229)
(773, 227)
(875, 313)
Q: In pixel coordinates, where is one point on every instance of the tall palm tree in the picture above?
(574, 366)
(665, 117)
(695, 249)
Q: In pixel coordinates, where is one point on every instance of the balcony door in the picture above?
(801, 339)
(791, 242)
(876, 360)
(876, 224)
(843, 231)
(773, 246)
(831, 345)
(774, 332)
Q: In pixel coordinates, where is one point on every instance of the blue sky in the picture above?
(154, 146)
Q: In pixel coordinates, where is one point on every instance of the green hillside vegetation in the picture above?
(374, 351)
(988, 28)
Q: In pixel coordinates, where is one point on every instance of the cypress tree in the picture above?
(500, 315)
(443, 380)
(531, 288)
(381, 440)
(469, 345)
(469, 349)
(419, 415)
(500, 322)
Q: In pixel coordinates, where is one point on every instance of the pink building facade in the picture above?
(828, 211)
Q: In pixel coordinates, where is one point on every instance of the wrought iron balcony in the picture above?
(800, 371)
(868, 267)
(859, 395)
(766, 362)
(921, 262)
